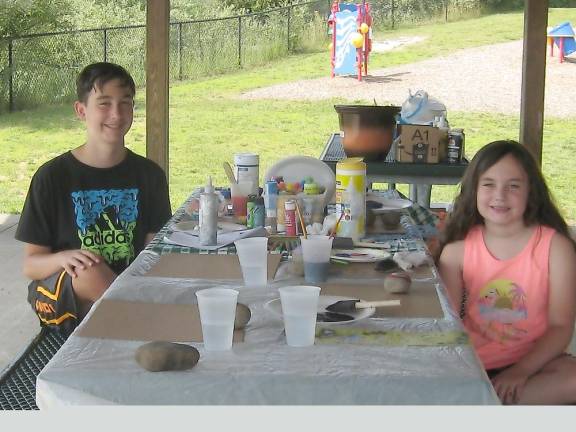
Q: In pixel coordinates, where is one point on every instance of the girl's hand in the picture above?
(79, 258)
(509, 385)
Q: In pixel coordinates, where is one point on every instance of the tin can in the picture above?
(258, 212)
(455, 145)
(250, 210)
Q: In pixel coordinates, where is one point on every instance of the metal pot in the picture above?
(367, 130)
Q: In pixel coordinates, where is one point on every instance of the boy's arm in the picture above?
(40, 262)
(148, 238)
(450, 268)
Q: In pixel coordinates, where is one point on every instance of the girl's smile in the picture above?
(502, 192)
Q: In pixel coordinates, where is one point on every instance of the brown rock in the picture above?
(166, 356)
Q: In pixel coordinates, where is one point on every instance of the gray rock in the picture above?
(166, 356)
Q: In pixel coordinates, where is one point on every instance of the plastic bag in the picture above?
(421, 109)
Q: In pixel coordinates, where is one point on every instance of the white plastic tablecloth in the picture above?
(262, 369)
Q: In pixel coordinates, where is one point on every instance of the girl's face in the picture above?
(502, 193)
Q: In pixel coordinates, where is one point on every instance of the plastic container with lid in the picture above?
(351, 197)
(247, 166)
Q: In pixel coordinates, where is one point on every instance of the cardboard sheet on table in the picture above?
(205, 266)
(420, 302)
(368, 271)
(127, 320)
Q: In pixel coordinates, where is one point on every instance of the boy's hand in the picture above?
(78, 258)
(509, 385)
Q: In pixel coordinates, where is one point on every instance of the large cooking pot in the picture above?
(367, 130)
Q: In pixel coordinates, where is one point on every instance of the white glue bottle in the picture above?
(208, 215)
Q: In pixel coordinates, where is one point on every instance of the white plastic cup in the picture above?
(316, 251)
(299, 309)
(253, 256)
(217, 308)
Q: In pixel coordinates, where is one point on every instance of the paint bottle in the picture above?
(208, 215)
(351, 197)
(290, 217)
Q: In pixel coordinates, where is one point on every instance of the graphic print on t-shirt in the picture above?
(106, 220)
(501, 304)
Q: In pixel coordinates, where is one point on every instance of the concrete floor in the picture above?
(19, 324)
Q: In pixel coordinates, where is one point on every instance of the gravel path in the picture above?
(483, 79)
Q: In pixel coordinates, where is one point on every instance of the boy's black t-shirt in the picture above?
(109, 211)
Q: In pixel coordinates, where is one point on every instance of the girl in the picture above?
(509, 265)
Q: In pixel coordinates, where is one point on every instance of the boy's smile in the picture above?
(108, 113)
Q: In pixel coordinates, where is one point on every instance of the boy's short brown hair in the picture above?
(96, 75)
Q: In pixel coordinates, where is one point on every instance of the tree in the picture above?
(21, 17)
(255, 5)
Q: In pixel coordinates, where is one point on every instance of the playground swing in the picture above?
(350, 25)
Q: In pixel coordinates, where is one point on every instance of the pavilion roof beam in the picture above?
(533, 76)
(157, 80)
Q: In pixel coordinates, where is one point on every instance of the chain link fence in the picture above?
(41, 69)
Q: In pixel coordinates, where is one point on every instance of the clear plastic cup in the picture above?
(299, 309)
(253, 256)
(239, 193)
(316, 251)
(217, 308)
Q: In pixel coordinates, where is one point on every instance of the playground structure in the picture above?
(351, 28)
(563, 36)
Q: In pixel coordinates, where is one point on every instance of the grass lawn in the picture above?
(208, 123)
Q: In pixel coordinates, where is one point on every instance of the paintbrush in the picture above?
(301, 220)
(344, 306)
(336, 226)
(229, 172)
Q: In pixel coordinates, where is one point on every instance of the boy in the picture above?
(91, 210)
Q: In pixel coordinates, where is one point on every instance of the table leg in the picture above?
(420, 193)
(551, 43)
(561, 48)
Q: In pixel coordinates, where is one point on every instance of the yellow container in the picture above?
(351, 197)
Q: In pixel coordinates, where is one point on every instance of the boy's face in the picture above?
(108, 113)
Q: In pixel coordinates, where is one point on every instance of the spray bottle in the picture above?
(208, 215)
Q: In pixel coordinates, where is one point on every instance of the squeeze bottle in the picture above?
(208, 215)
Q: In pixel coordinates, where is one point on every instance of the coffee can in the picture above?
(455, 145)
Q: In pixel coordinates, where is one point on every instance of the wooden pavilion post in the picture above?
(533, 76)
(157, 78)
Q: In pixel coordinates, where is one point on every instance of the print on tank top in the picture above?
(501, 305)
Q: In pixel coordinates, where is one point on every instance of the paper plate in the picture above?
(295, 168)
(222, 226)
(388, 204)
(275, 308)
(362, 255)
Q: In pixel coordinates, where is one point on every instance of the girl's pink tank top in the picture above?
(506, 300)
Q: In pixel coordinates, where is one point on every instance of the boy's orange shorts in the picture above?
(53, 301)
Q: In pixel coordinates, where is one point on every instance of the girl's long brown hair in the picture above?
(540, 208)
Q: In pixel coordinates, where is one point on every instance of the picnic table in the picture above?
(413, 355)
(420, 177)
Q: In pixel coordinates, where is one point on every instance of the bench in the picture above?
(18, 380)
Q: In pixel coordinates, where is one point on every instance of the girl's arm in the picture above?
(450, 268)
(561, 308)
